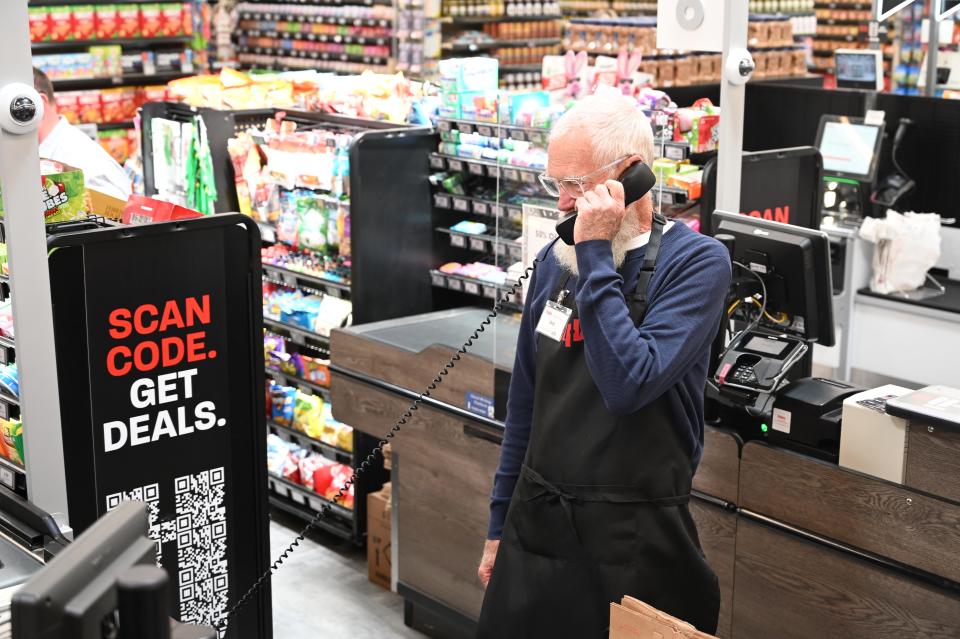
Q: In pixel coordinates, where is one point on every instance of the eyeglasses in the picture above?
(574, 186)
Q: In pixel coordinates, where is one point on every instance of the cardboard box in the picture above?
(633, 619)
(62, 192)
(105, 205)
(107, 21)
(388, 457)
(145, 210)
(89, 107)
(171, 17)
(378, 537)
(128, 21)
(84, 22)
(151, 21)
(61, 24)
(39, 24)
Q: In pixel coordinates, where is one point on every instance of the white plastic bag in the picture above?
(908, 245)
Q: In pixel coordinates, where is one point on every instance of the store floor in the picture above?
(322, 590)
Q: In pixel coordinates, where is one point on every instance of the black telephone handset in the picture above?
(637, 180)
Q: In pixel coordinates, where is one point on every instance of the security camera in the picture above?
(21, 108)
(739, 66)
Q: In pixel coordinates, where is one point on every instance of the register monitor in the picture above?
(850, 148)
(859, 69)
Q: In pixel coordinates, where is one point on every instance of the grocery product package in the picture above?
(633, 619)
(140, 209)
(379, 511)
(908, 245)
(699, 125)
(62, 192)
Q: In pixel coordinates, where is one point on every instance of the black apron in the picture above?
(600, 507)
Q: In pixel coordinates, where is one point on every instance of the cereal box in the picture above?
(128, 21)
(84, 22)
(111, 105)
(108, 21)
(68, 107)
(39, 24)
(88, 103)
(171, 16)
(61, 24)
(151, 21)
(187, 14)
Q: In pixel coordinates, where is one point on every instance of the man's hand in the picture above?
(485, 571)
(599, 212)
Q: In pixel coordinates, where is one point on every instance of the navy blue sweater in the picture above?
(632, 366)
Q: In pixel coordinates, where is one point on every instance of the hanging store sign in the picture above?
(942, 9)
(161, 369)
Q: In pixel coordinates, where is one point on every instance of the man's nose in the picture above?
(566, 203)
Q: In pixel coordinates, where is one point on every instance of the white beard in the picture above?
(567, 255)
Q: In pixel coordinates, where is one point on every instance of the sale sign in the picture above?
(170, 378)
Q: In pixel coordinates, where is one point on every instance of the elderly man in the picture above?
(604, 424)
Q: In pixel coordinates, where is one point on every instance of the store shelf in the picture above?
(13, 476)
(316, 502)
(486, 19)
(313, 55)
(296, 279)
(533, 135)
(67, 3)
(486, 244)
(843, 5)
(298, 335)
(132, 43)
(292, 380)
(478, 206)
(9, 406)
(467, 285)
(303, 440)
(290, 17)
(498, 44)
(314, 37)
(484, 167)
(521, 68)
(7, 350)
(133, 79)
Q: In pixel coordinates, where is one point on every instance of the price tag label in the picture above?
(7, 477)
(442, 201)
(333, 291)
(477, 169)
(490, 292)
(516, 252)
(438, 280)
(289, 279)
(517, 135)
(465, 127)
(444, 125)
(666, 198)
(455, 165)
(674, 152)
(454, 284)
(477, 245)
(4, 410)
(511, 174)
(436, 162)
(298, 338)
(497, 210)
(460, 204)
(480, 208)
(471, 287)
(499, 248)
(537, 138)
(528, 177)
(485, 130)
(516, 215)
(458, 241)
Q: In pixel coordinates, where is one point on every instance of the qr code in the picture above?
(198, 534)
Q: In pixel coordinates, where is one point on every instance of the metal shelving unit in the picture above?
(132, 43)
(132, 79)
(305, 441)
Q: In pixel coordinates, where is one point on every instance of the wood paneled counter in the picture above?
(802, 548)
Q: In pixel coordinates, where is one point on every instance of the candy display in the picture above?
(11, 440)
(312, 369)
(698, 125)
(469, 8)
(318, 313)
(308, 262)
(108, 21)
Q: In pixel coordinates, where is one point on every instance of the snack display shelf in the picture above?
(843, 5)
(290, 17)
(9, 406)
(335, 3)
(668, 195)
(486, 19)
(521, 68)
(13, 476)
(299, 335)
(831, 21)
(66, 3)
(293, 380)
(481, 243)
(497, 44)
(133, 43)
(861, 37)
(468, 285)
(489, 168)
(132, 79)
(305, 441)
(492, 130)
(124, 124)
(313, 55)
(304, 503)
(315, 37)
(477, 206)
(296, 279)
(333, 66)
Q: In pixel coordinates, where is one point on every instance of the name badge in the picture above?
(554, 320)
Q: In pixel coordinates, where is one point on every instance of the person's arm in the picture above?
(516, 432)
(634, 365)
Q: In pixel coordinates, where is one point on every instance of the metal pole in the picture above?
(732, 98)
(933, 50)
(30, 284)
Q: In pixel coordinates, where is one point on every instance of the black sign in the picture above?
(162, 394)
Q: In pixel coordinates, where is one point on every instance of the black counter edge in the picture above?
(878, 560)
(450, 615)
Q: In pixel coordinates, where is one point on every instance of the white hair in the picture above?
(614, 124)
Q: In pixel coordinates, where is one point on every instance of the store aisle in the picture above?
(323, 591)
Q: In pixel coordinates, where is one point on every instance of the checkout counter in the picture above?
(802, 547)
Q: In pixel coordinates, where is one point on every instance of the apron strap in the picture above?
(607, 494)
(639, 302)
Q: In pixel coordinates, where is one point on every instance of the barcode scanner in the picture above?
(637, 180)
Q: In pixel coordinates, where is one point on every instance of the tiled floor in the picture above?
(322, 591)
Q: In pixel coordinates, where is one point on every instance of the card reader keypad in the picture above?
(744, 374)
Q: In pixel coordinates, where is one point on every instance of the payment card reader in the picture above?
(757, 361)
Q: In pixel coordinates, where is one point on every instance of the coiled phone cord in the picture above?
(371, 457)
